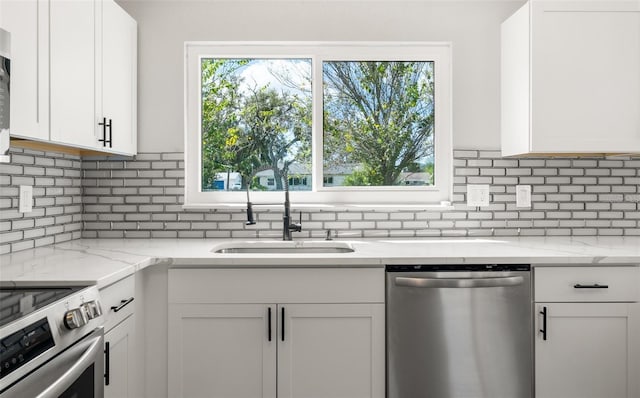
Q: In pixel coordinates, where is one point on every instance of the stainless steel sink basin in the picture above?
(283, 247)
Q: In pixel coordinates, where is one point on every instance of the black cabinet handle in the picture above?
(110, 132)
(123, 303)
(282, 323)
(594, 286)
(106, 125)
(269, 324)
(544, 323)
(106, 363)
(104, 131)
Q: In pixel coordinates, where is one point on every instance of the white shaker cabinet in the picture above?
(116, 82)
(121, 357)
(330, 350)
(222, 350)
(74, 73)
(28, 25)
(119, 344)
(588, 332)
(72, 70)
(570, 78)
(290, 332)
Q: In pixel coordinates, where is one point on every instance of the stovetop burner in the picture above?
(16, 302)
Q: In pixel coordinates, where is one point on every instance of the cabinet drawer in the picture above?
(277, 285)
(584, 284)
(117, 302)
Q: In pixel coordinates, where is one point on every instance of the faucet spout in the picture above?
(287, 225)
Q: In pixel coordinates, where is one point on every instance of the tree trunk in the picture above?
(278, 177)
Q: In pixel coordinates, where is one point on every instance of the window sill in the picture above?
(443, 206)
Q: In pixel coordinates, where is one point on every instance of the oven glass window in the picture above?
(83, 387)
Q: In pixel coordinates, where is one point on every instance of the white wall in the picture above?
(472, 26)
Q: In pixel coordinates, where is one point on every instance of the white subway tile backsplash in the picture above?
(100, 197)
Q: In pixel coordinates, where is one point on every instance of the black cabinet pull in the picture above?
(594, 286)
(106, 363)
(110, 132)
(544, 323)
(104, 131)
(123, 303)
(282, 323)
(106, 125)
(269, 324)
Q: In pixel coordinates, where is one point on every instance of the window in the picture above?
(333, 121)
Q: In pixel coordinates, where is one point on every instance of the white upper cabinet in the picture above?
(74, 69)
(28, 25)
(571, 78)
(72, 40)
(116, 79)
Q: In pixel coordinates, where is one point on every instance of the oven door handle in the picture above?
(459, 282)
(70, 376)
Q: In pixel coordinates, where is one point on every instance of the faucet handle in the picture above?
(298, 227)
(328, 236)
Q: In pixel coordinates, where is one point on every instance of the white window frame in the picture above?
(318, 52)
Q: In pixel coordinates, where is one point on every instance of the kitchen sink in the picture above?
(283, 247)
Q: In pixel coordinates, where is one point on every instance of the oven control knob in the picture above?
(92, 309)
(75, 318)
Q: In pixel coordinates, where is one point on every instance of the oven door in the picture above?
(76, 372)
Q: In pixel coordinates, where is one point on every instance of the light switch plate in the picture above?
(477, 195)
(26, 199)
(523, 195)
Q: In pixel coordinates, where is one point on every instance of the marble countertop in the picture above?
(104, 261)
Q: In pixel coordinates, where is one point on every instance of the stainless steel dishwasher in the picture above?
(459, 331)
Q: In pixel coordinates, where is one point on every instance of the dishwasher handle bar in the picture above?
(458, 282)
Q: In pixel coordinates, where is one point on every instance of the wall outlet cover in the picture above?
(477, 195)
(26, 199)
(523, 195)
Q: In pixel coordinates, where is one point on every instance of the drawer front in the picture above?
(117, 302)
(277, 285)
(586, 284)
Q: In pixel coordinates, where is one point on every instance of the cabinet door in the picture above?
(222, 350)
(331, 350)
(117, 77)
(26, 21)
(590, 351)
(585, 81)
(72, 65)
(121, 356)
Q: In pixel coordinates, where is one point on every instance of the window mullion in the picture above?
(316, 131)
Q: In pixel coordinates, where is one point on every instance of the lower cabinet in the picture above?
(330, 350)
(588, 342)
(121, 378)
(221, 350)
(119, 360)
(586, 351)
(273, 349)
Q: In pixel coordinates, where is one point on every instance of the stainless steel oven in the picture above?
(51, 342)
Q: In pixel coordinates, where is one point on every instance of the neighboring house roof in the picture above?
(296, 169)
(417, 176)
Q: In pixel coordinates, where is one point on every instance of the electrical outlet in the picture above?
(26, 199)
(477, 195)
(523, 195)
